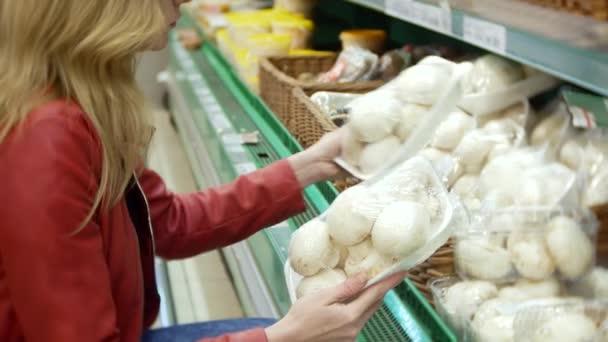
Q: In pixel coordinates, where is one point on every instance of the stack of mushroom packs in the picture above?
(530, 244)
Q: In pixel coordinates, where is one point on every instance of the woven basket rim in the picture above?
(269, 66)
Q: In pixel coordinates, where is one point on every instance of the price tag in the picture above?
(429, 16)
(485, 34)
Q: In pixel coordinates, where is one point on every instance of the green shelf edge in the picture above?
(583, 67)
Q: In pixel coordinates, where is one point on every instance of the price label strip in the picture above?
(438, 18)
(485, 34)
(588, 111)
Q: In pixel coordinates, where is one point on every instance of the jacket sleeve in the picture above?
(58, 282)
(252, 335)
(189, 224)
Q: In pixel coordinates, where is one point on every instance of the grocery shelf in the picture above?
(573, 48)
(223, 106)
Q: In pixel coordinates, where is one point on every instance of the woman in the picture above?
(83, 219)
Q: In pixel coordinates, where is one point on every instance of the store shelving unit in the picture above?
(570, 47)
(211, 105)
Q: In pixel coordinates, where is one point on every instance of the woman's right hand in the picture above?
(333, 315)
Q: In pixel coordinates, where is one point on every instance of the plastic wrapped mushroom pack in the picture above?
(520, 311)
(386, 224)
(398, 118)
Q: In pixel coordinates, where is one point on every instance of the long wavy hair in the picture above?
(84, 51)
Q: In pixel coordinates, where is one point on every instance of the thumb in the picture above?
(350, 288)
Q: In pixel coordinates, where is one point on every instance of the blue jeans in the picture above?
(196, 331)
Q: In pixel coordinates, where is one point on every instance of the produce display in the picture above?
(379, 227)
(523, 177)
(449, 148)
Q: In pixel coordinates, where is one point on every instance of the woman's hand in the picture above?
(333, 315)
(316, 163)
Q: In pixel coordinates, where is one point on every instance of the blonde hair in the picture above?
(84, 50)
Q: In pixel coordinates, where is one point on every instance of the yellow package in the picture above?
(269, 44)
(299, 29)
(246, 63)
(241, 26)
(309, 52)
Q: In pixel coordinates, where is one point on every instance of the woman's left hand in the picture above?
(316, 163)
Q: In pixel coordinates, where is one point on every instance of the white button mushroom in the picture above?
(311, 250)
(571, 153)
(496, 199)
(360, 251)
(530, 255)
(423, 82)
(462, 299)
(401, 228)
(351, 148)
(491, 73)
(549, 129)
(473, 150)
(466, 186)
(566, 327)
(482, 258)
(569, 246)
(450, 132)
(597, 190)
(322, 280)
(491, 324)
(433, 154)
(372, 265)
(547, 288)
(374, 116)
(411, 115)
(376, 154)
(352, 215)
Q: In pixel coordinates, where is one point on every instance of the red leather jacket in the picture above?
(98, 285)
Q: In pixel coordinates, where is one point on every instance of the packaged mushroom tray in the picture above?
(481, 311)
(562, 321)
(395, 121)
(389, 223)
(496, 83)
(527, 243)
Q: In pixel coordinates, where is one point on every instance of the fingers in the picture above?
(375, 293)
(343, 292)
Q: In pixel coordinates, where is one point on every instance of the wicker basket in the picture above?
(278, 78)
(592, 8)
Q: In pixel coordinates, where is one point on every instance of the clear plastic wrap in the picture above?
(387, 224)
(567, 320)
(393, 128)
(551, 127)
(595, 164)
(457, 301)
(353, 64)
(480, 311)
(534, 244)
(334, 104)
(495, 83)
(527, 177)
